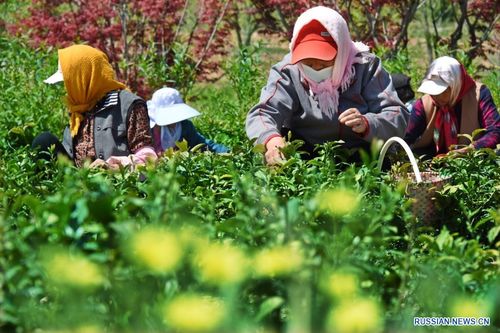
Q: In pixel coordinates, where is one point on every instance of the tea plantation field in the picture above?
(201, 242)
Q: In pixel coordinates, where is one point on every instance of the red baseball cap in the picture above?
(314, 41)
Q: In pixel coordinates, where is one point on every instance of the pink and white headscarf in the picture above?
(343, 71)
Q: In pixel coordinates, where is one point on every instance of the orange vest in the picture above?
(468, 120)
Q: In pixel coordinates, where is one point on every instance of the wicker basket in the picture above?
(421, 186)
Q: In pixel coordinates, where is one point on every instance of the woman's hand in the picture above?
(118, 162)
(273, 153)
(114, 163)
(457, 151)
(98, 163)
(355, 120)
(460, 150)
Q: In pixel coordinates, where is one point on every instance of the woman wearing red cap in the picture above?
(453, 103)
(328, 88)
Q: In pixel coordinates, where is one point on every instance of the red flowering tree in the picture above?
(136, 35)
(269, 17)
(479, 18)
(378, 22)
(175, 41)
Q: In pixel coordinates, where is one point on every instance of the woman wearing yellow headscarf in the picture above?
(108, 125)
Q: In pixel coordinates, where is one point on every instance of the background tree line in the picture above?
(153, 41)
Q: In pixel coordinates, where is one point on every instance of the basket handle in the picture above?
(407, 149)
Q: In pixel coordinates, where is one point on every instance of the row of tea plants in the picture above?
(221, 243)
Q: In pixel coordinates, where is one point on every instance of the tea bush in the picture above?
(203, 242)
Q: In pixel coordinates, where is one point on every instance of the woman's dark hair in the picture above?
(402, 85)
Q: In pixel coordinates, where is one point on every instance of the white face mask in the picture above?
(317, 76)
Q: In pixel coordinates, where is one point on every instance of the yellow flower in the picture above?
(355, 316)
(194, 313)
(278, 261)
(73, 270)
(221, 264)
(156, 249)
(338, 202)
(467, 307)
(342, 285)
(88, 329)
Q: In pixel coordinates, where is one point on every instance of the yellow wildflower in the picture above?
(467, 307)
(338, 202)
(221, 264)
(156, 249)
(194, 313)
(278, 261)
(355, 316)
(341, 285)
(88, 329)
(74, 270)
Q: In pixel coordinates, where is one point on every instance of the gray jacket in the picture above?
(285, 103)
(110, 126)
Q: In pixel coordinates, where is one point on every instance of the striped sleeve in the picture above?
(489, 119)
(417, 122)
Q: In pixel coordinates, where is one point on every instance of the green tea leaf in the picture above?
(443, 238)
(268, 306)
(493, 233)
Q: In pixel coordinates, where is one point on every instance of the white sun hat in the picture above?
(167, 107)
(56, 77)
(434, 85)
(443, 72)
